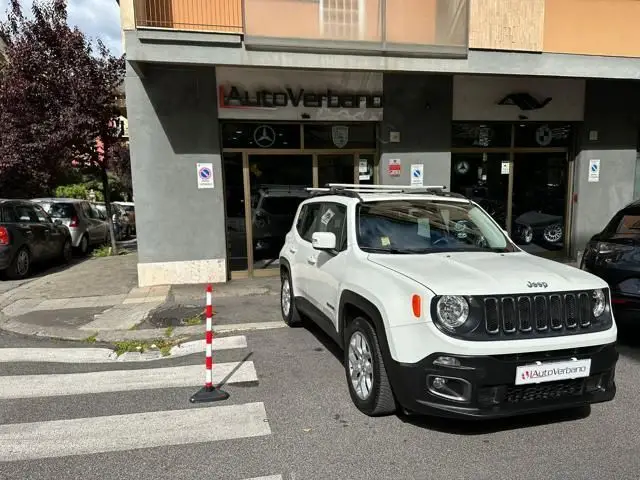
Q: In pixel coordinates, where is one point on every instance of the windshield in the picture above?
(424, 226)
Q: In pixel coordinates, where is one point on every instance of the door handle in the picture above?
(312, 260)
(292, 250)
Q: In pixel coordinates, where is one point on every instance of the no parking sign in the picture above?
(205, 175)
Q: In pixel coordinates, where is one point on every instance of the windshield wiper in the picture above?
(398, 251)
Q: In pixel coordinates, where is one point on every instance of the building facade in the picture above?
(530, 107)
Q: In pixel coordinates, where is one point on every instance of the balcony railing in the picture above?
(223, 16)
(375, 26)
(419, 27)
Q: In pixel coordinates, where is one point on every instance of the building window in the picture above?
(342, 19)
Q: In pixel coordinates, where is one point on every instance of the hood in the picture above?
(487, 273)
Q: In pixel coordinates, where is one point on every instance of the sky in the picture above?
(96, 18)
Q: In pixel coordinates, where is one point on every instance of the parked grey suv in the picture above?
(87, 226)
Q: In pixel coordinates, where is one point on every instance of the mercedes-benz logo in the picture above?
(264, 136)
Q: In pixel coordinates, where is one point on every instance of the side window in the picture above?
(86, 210)
(42, 215)
(333, 219)
(25, 213)
(308, 222)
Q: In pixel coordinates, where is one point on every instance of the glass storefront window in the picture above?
(235, 216)
(541, 135)
(337, 168)
(340, 136)
(481, 135)
(539, 201)
(261, 135)
(479, 177)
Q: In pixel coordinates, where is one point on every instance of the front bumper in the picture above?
(488, 384)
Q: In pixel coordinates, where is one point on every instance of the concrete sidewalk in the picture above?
(98, 300)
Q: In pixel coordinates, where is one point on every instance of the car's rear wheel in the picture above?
(67, 251)
(367, 379)
(20, 265)
(84, 245)
(290, 313)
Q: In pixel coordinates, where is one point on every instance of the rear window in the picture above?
(281, 205)
(61, 210)
(7, 215)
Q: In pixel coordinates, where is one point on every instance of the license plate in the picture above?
(551, 372)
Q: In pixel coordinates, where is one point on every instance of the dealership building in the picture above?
(530, 107)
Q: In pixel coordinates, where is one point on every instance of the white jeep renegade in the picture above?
(437, 310)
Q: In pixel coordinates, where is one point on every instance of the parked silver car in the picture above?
(88, 227)
(120, 219)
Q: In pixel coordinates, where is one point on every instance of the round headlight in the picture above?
(453, 311)
(597, 302)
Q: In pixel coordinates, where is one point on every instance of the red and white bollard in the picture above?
(209, 393)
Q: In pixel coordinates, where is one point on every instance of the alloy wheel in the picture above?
(360, 365)
(286, 297)
(22, 263)
(553, 233)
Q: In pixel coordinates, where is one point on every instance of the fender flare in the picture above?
(349, 297)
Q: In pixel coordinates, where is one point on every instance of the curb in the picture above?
(110, 336)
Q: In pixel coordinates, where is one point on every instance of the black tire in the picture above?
(83, 246)
(16, 270)
(291, 316)
(67, 251)
(380, 400)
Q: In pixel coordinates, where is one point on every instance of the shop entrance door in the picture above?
(267, 168)
(278, 185)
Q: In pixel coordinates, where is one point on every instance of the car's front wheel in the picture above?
(288, 308)
(366, 374)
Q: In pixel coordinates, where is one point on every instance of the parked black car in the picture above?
(614, 256)
(27, 236)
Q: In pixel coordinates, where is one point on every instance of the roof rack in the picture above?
(354, 190)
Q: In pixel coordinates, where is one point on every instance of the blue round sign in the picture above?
(205, 173)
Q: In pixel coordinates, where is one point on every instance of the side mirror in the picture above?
(323, 241)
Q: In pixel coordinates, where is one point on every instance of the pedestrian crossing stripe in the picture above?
(51, 385)
(85, 436)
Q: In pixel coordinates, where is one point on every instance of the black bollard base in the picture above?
(209, 394)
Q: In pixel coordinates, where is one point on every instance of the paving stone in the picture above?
(121, 317)
(21, 307)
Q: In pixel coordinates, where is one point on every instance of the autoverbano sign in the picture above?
(264, 94)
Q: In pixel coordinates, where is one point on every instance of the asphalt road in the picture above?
(314, 431)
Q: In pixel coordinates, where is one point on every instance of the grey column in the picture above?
(173, 125)
(612, 109)
(419, 107)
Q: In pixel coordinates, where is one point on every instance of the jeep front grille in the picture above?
(526, 315)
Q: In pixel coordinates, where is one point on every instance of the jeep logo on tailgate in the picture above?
(537, 284)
